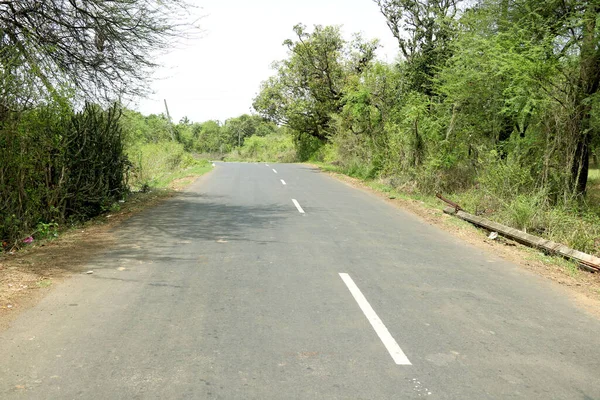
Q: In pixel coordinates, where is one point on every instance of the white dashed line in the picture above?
(274, 170)
(267, 165)
(283, 182)
(300, 210)
(388, 341)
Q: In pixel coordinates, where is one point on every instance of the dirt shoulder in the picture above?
(29, 274)
(581, 286)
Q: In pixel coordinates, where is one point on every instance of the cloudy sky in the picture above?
(217, 76)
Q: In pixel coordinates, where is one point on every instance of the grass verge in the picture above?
(179, 179)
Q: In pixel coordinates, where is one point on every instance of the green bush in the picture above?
(152, 161)
(58, 165)
(326, 153)
(274, 147)
(522, 211)
(306, 146)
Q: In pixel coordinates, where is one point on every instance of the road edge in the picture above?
(583, 288)
(88, 240)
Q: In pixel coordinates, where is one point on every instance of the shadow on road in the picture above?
(159, 234)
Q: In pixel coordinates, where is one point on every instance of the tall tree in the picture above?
(239, 128)
(531, 67)
(309, 86)
(587, 83)
(423, 29)
(571, 28)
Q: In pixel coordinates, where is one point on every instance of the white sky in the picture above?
(217, 76)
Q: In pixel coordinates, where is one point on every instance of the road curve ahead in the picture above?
(275, 281)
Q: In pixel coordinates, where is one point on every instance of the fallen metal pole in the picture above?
(445, 200)
(587, 261)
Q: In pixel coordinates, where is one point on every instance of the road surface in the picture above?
(275, 281)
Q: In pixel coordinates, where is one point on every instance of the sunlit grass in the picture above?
(593, 188)
(200, 168)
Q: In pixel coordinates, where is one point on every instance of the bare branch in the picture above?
(100, 49)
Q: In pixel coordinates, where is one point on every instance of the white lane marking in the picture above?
(283, 182)
(388, 341)
(267, 165)
(300, 210)
(274, 170)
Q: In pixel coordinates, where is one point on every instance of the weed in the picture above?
(44, 283)
(46, 230)
(572, 269)
(520, 212)
(198, 168)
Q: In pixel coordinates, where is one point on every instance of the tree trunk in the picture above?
(589, 77)
(581, 164)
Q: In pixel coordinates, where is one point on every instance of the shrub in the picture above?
(152, 161)
(274, 147)
(58, 165)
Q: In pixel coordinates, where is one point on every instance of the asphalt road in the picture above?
(229, 291)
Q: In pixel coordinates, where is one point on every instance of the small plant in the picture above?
(44, 283)
(47, 230)
(572, 269)
(522, 212)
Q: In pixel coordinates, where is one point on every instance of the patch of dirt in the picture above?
(182, 183)
(581, 286)
(30, 273)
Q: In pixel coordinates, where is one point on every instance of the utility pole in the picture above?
(170, 123)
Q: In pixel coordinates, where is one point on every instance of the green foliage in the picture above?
(522, 210)
(277, 147)
(505, 178)
(138, 128)
(236, 130)
(46, 231)
(309, 86)
(424, 30)
(306, 145)
(58, 165)
(152, 161)
(496, 104)
(64, 166)
(325, 154)
(194, 168)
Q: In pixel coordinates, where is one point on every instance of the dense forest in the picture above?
(491, 102)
